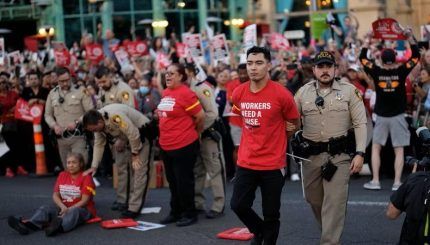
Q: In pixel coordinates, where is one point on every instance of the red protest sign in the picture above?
(62, 57)
(94, 53)
(26, 113)
(388, 29)
(137, 48)
(278, 42)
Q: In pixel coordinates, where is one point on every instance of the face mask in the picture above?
(144, 90)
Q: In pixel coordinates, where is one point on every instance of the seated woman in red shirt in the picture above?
(73, 198)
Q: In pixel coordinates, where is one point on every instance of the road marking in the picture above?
(352, 203)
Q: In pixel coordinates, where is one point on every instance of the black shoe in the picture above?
(169, 219)
(214, 214)
(257, 240)
(130, 214)
(54, 227)
(117, 206)
(186, 221)
(17, 225)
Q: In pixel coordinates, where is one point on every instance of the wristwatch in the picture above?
(360, 153)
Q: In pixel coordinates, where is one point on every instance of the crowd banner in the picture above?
(195, 46)
(220, 49)
(278, 42)
(425, 32)
(387, 29)
(249, 37)
(61, 54)
(2, 52)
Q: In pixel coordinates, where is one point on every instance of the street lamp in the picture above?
(47, 31)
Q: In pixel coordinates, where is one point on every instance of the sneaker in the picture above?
(54, 227)
(372, 185)
(17, 225)
(21, 171)
(9, 173)
(295, 177)
(396, 186)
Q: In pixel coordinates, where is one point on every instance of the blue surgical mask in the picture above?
(144, 90)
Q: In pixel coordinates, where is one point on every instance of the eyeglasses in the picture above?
(171, 73)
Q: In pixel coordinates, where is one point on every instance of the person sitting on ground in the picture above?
(73, 198)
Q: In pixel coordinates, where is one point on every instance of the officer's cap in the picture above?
(324, 57)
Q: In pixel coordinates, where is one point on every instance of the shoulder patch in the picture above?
(207, 93)
(118, 121)
(358, 94)
(125, 95)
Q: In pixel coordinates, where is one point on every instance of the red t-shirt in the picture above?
(175, 111)
(7, 103)
(264, 138)
(71, 190)
(230, 87)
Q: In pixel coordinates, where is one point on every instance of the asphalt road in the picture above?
(365, 223)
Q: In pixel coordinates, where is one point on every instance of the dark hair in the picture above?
(91, 117)
(3, 73)
(241, 66)
(33, 72)
(181, 70)
(102, 71)
(61, 70)
(192, 68)
(259, 50)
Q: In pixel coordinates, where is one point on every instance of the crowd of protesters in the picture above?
(35, 75)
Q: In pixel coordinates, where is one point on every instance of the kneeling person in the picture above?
(120, 123)
(73, 198)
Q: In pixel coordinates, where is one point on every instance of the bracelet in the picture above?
(359, 153)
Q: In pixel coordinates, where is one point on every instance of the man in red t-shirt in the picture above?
(265, 107)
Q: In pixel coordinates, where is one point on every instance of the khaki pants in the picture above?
(132, 184)
(210, 162)
(75, 144)
(328, 199)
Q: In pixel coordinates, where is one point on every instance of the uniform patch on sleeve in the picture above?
(207, 93)
(358, 94)
(90, 189)
(117, 120)
(125, 95)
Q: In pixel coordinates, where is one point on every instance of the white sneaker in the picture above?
(295, 177)
(396, 186)
(372, 185)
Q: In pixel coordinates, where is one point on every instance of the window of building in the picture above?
(70, 7)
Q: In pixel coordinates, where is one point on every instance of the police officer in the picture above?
(329, 108)
(211, 159)
(65, 105)
(118, 121)
(113, 90)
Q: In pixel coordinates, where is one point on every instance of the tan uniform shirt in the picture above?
(75, 103)
(343, 108)
(119, 93)
(121, 121)
(207, 98)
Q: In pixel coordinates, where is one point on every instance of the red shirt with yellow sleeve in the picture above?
(72, 189)
(175, 113)
(264, 114)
